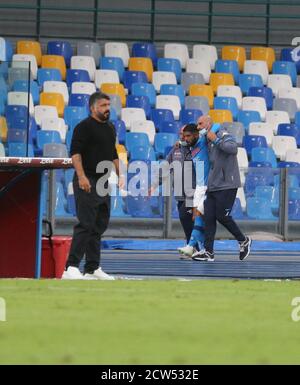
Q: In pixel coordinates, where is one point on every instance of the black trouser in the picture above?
(217, 207)
(93, 213)
(186, 219)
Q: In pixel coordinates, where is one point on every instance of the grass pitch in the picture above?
(149, 322)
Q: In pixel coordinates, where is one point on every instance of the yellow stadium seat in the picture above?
(141, 64)
(232, 52)
(115, 89)
(55, 61)
(202, 90)
(122, 153)
(3, 129)
(27, 47)
(221, 116)
(53, 99)
(220, 79)
(266, 54)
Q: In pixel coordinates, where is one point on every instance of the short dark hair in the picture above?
(97, 96)
(192, 128)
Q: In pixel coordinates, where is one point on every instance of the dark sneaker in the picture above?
(245, 248)
(204, 256)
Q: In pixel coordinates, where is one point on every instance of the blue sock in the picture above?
(197, 233)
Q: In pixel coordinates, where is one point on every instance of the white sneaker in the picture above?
(198, 253)
(187, 250)
(99, 274)
(72, 273)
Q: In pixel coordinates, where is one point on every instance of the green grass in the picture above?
(149, 322)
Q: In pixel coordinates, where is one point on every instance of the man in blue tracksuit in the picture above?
(195, 137)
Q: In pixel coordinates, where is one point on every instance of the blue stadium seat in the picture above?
(271, 194)
(146, 89)
(45, 136)
(22, 86)
(289, 129)
(251, 141)
(189, 115)
(134, 139)
(294, 193)
(74, 113)
(120, 131)
(113, 63)
(14, 111)
(247, 117)
(131, 77)
(142, 153)
(139, 206)
(254, 179)
(259, 164)
(261, 154)
(260, 209)
(48, 74)
(135, 101)
(173, 89)
(228, 66)
(286, 68)
(294, 209)
(79, 100)
(171, 127)
(76, 76)
(4, 70)
(162, 141)
(226, 103)
(170, 65)
(117, 206)
(61, 48)
(288, 165)
(55, 150)
(145, 50)
(159, 115)
(263, 92)
(19, 150)
(15, 135)
(237, 211)
(286, 55)
(247, 81)
(293, 181)
(113, 114)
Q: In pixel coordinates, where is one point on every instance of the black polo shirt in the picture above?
(95, 142)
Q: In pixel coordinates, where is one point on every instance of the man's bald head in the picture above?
(204, 122)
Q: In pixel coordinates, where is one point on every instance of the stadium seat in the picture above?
(48, 74)
(79, 100)
(231, 91)
(234, 53)
(16, 111)
(120, 131)
(55, 61)
(16, 136)
(291, 129)
(115, 89)
(290, 93)
(135, 139)
(220, 79)
(281, 144)
(228, 66)
(22, 61)
(260, 209)
(189, 78)
(270, 193)
(18, 74)
(27, 47)
(163, 77)
(170, 127)
(286, 55)
(55, 124)
(84, 63)
(276, 82)
(237, 211)
(170, 65)
(252, 141)
(294, 209)
(169, 102)
(201, 66)
(294, 193)
(60, 48)
(257, 67)
(236, 129)
(106, 76)
(266, 54)
(131, 77)
(286, 104)
(53, 99)
(246, 81)
(254, 103)
(21, 99)
(117, 207)
(113, 63)
(261, 154)
(89, 48)
(221, 116)
(144, 49)
(263, 129)
(74, 113)
(144, 153)
(173, 89)
(276, 118)
(188, 116)
(139, 206)
(197, 103)
(83, 88)
(177, 51)
(116, 104)
(141, 64)
(203, 90)
(117, 49)
(146, 127)
(143, 102)
(158, 116)
(20, 150)
(3, 129)
(129, 115)
(122, 153)
(226, 103)
(263, 92)
(163, 140)
(22, 86)
(286, 68)
(254, 178)
(144, 89)
(55, 150)
(57, 87)
(208, 51)
(285, 164)
(44, 137)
